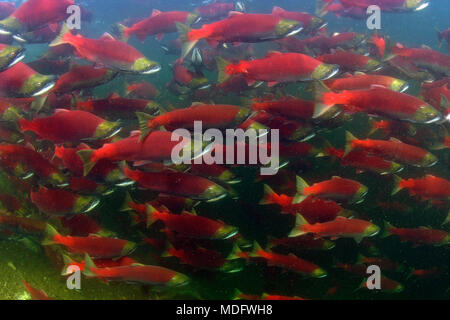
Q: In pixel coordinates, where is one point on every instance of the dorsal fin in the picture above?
(107, 36)
(234, 13)
(155, 12)
(277, 9)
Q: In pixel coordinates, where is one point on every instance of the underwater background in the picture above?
(23, 258)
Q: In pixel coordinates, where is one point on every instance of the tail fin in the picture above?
(268, 195)
(321, 7)
(386, 232)
(60, 38)
(301, 185)
(221, 66)
(88, 266)
(143, 119)
(186, 45)
(319, 89)
(50, 233)
(255, 251)
(348, 142)
(86, 157)
(166, 252)
(235, 253)
(150, 215)
(397, 186)
(297, 230)
(123, 34)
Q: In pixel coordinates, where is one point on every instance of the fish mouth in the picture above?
(294, 32)
(206, 86)
(422, 6)
(18, 58)
(4, 31)
(45, 89)
(152, 70)
(18, 38)
(404, 88)
(332, 73)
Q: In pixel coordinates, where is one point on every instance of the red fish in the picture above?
(392, 149)
(83, 77)
(383, 102)
(22, 81)
(144, 274)
(216, 10)
(238, 27)
(428, 187)
(66, 125)
(35, 14)
(292, 107)
(142, 90)
(366, 81)
(178, 183)
(419, 235)
(309, 22)
(313, 209)
(340, 227)
(98, 247)
(158, 24)
(425, 58)
(60, 203)
(191, 225)
(31, 161)
(289, 262)
(336, 189)
(278, 67)
(132, 149)
(116, 106)
(211, 116)
(351, 61)
(108, 52)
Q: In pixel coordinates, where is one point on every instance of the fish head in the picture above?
(107, 129)
(362, 191)
(225, 232)
(243, 115)
(37, 84)
(152, 108)
(317, 23)
(199, 82)
(193, 18)
(145, 66)
(426, 114)
(116, 176)
(57, 179)
(371, 230)
(128, 248)
(399, 85)
(325, 71)
(373, 65)
(396, 167)
(428, 160)
(10, 25)
(319, 273)
(178, 280)
(11, 55)
(85, 204)
(287, 28)
(416, 5)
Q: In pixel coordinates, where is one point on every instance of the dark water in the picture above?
(23, 258)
